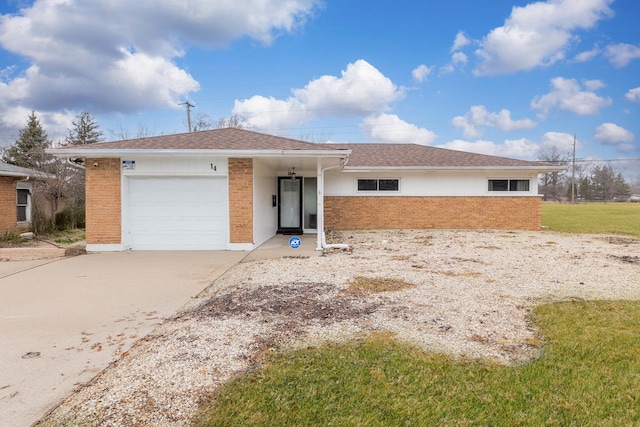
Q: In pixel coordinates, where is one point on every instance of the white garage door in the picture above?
(178, 213)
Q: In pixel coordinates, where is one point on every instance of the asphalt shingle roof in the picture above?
(364, 155)
(418, 156)
(217, 139)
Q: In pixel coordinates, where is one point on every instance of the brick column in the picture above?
(241, 200)
(8, 203)
(103, 202)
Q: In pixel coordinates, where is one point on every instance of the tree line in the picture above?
(590, 181)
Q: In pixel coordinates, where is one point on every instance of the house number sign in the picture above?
(128, 165)
(214, 167)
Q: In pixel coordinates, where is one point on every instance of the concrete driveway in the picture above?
(64, 321)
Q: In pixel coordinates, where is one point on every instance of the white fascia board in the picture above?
(109, 153)
(453, 168)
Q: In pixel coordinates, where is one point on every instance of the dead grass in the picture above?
(361, 285)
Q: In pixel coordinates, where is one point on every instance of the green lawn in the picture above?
(597, 218)
(588, 374)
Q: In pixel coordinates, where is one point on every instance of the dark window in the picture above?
(23, 201)
(367, 185)
(509, 185)
(519, 185)
(378, 184)
(498, 185)
(388, 185)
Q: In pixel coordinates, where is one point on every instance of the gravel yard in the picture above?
(469, 294)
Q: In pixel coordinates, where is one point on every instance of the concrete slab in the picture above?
(278, 247)
(76, 315)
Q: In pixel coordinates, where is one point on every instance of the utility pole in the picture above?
(188, 106)
(573, 170)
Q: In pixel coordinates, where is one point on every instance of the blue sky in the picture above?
(509, 78)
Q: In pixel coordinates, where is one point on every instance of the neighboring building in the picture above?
(15, 197)
(234, 189)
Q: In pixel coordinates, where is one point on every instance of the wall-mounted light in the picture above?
(95, 164)
(292, 173)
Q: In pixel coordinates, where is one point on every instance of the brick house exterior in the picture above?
(234, 189)
(15, 198)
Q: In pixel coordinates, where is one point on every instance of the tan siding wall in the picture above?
(103, 205)
(241, 200)
(8, 203)
(365, 213)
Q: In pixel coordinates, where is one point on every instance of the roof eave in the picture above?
(102, 153)
(540, 169)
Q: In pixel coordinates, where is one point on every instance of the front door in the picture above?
(290, 205)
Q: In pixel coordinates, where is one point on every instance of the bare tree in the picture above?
(552, 183)
(202, 121)
(235, 121)
(320, 138)
(122, 134)
(635, 185)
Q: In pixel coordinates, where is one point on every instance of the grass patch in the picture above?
(593, 218)
(589, 374)
(66, 237)
(8, 240)
(361, 285)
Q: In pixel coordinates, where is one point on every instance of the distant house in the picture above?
(15, 197)
(233, 189)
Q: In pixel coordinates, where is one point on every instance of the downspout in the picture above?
(321, 238)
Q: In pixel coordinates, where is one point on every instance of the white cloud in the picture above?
(633, 95)
(587, 55)
(124, 53)
(622, 54)
(612, 134)
(567, 94)
(522, 148)
(421, 72)
(460, 41)
(362, 90)
(562, 141)
(478, 116)
(479, 146)
(389, 128)
(537, 34)
(459, 58)
(593, 84)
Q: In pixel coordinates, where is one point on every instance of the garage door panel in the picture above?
(178, 213)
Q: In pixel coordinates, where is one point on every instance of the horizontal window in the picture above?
(378, 184)
(509, 185)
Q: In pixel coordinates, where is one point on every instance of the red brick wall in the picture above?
(8, 202)
(364, 213)
(241, 200)
(103, 201)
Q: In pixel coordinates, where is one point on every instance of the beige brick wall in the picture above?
(365, 213)
(241, 200)
(8, 202)
(103, 211)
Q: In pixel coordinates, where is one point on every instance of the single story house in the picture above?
(15, 197)
(233, 189)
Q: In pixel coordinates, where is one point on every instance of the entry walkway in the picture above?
(278, 247)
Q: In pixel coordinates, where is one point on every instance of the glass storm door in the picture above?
(290, 205)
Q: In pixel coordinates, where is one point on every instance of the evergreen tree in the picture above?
(28, 151)
(85, 131)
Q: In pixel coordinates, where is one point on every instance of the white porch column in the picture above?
(320, 205)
